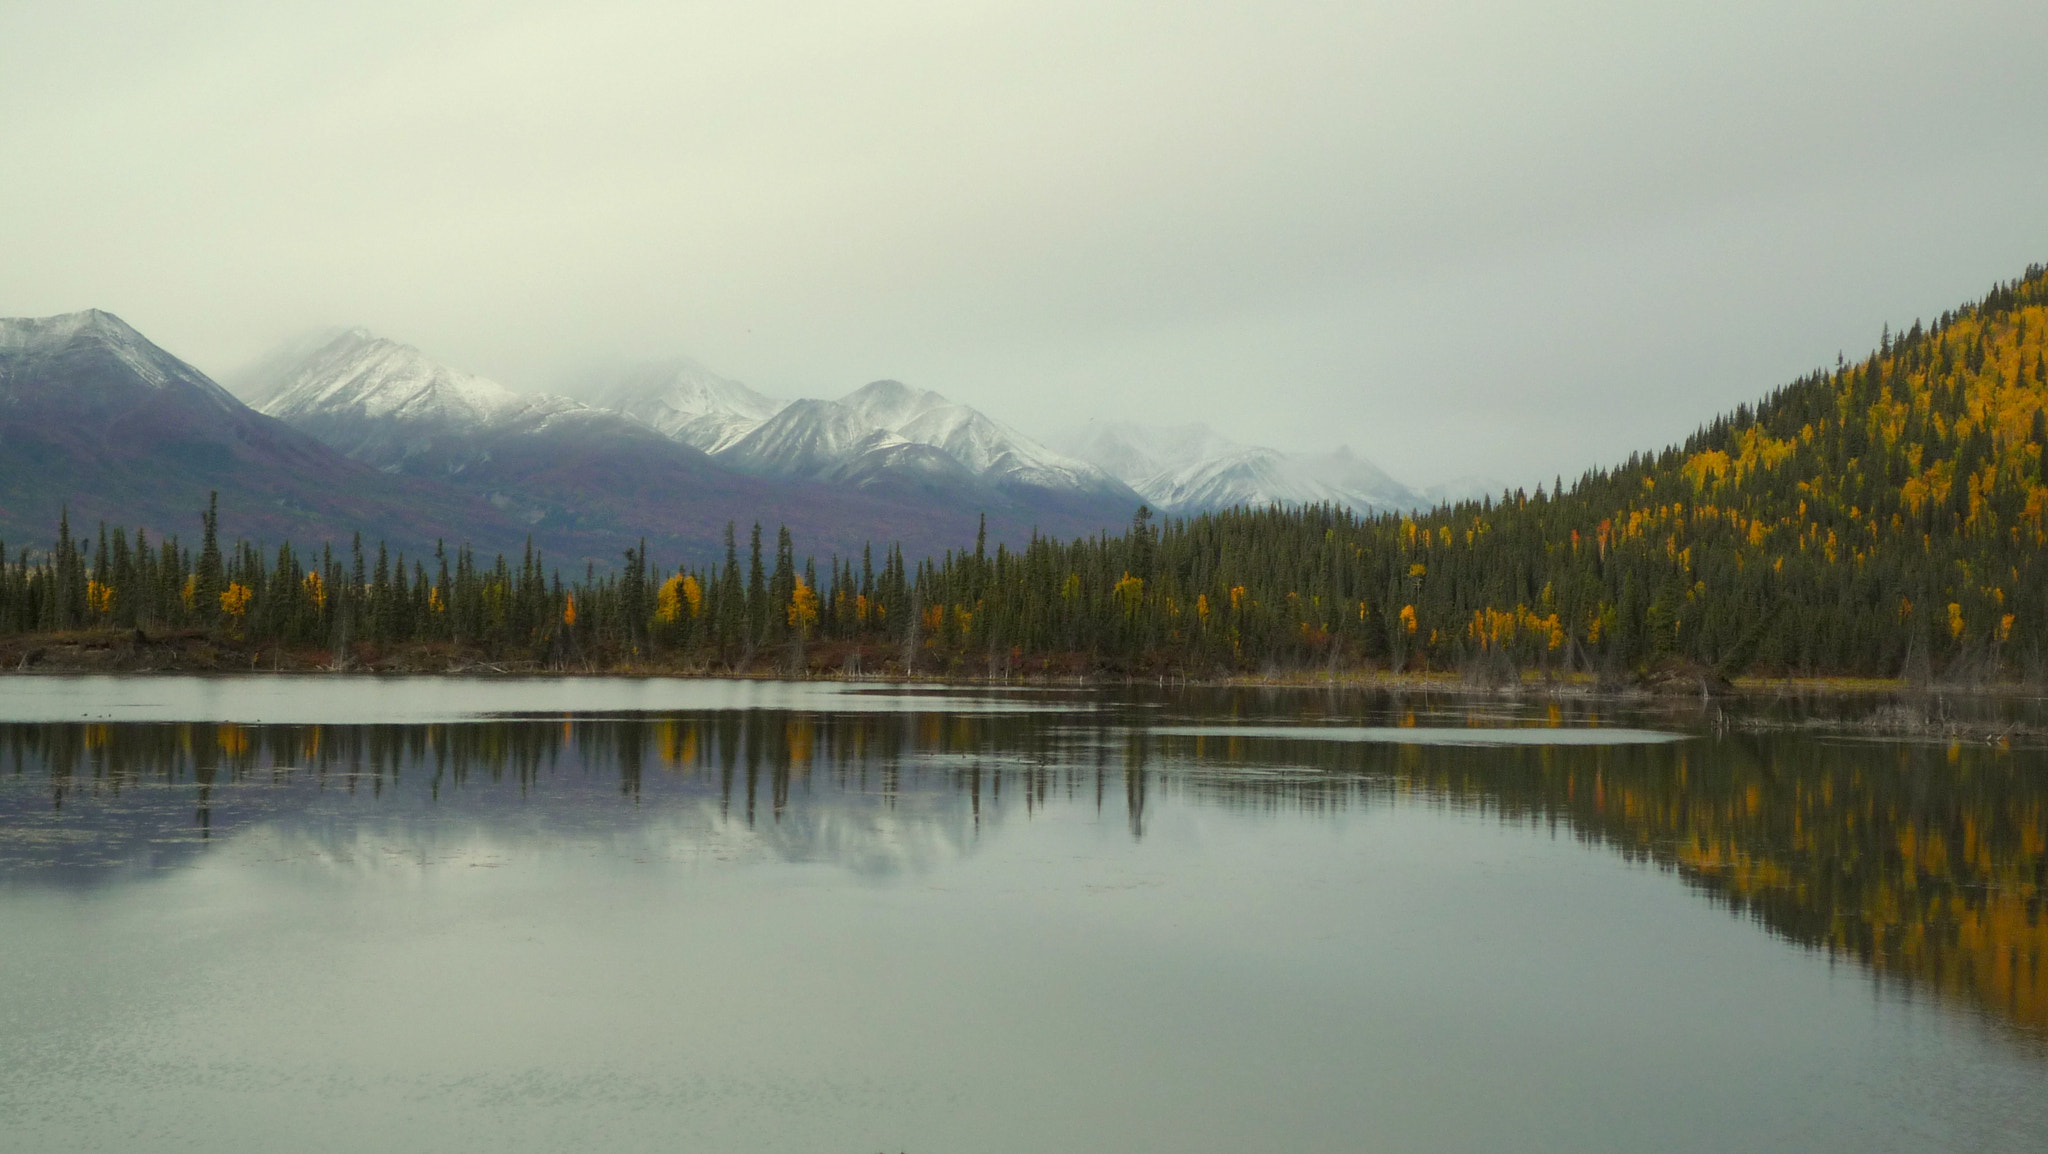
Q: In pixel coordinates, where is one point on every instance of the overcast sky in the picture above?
(1501, 238)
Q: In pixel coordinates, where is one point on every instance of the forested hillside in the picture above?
(1880, 518)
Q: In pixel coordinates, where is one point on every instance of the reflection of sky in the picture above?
(584, 958)
(102, 831)
(368, 700)
(1426, 735)
(899, 786)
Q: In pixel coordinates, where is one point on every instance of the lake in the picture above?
(436, 914)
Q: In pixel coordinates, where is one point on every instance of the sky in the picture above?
(1465, 237)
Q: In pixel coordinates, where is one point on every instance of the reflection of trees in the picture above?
(1923, 863)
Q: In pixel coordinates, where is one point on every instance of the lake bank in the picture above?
(1684, 697)
(195, 651)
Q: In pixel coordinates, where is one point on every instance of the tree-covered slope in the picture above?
(1879, 518)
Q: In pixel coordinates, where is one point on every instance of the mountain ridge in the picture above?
(99, 422)
(1190, 468)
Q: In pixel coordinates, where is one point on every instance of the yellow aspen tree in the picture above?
(1129, 590)
(668, 600)
(803, 608)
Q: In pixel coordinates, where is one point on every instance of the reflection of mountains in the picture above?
(1924, 864)
(92, 804)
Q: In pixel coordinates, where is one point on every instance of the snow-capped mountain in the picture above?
(99, 421)
(1192, 469)
(108, 366)
(1127, 450)
(569, 468)
(378, 379)
(887, 436)
(829, 441)
(390, 405)
(685, 400)
(995, 453)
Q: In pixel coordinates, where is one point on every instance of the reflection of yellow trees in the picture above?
(1926, 864)
(1935, 881)
(797, 733)
(233, 740)
(679, 744)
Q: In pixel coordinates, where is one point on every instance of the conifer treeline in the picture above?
(1881, 517)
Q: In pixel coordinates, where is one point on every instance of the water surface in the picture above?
(420, 914)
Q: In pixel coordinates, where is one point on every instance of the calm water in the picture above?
(261, 914)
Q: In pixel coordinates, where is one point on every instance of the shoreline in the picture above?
(191, 653)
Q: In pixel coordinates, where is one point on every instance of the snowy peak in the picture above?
(891, 436)
(808, 438)
(98, 351)
(892, 404)
(1126, 449)
(366, 377)
(391, 406)
(686, 401)
(829, 441)
(1192, 469)
(31, 335)
(982, 446)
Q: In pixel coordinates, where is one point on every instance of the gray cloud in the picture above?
(1464, 237)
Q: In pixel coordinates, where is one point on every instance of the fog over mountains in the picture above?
(1191, 468)
(870, 437)
(353, 429)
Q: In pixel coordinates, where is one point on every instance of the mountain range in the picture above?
(98, 421)
(1191, 469)
(354, 430)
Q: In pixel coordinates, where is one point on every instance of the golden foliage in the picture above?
(803, 608)
(234, 600)
(1130, 591)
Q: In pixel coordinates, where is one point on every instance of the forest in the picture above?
(1883, 518)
